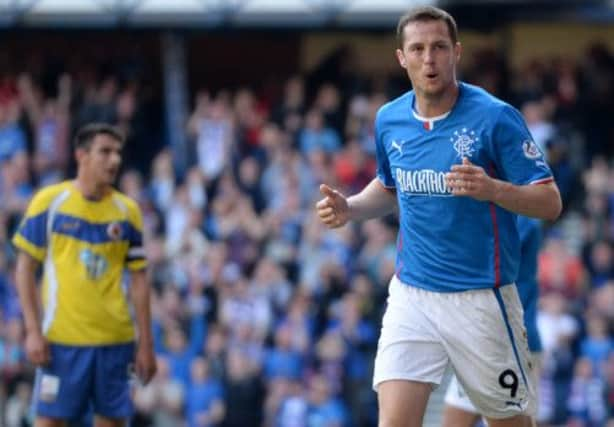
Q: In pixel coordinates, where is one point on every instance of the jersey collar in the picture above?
(429, 122)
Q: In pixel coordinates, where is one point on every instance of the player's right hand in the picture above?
(37, 349)
(333, 209)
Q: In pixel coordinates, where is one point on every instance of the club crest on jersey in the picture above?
(95, 265)
(114, 231)
(463, 141)
(531, 150)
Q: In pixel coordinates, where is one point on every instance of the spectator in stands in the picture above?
(598, 344)
(317, 135)
(205, 397)
(585, 401)
(12, 136)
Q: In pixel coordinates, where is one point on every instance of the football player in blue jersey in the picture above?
(459, 411)
(86, 235)
(459, 164)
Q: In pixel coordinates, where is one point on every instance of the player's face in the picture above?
(102, 160)
(430, 57)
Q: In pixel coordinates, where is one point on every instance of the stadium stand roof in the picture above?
(273, 13)
(306, 13)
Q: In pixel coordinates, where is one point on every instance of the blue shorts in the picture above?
(80, 378)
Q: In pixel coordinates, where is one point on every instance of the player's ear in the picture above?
(458, 49)
(401, 58)
(79, 153)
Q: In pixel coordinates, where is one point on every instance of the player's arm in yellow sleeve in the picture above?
(31, 241)
(36, 345)
(31, 236)
(145, 362)
(135, 259)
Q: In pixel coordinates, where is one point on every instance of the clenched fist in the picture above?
(333, 209)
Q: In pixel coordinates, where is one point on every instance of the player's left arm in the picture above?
(538, 200)
(518, 178)
(534, 200)
(145, 362)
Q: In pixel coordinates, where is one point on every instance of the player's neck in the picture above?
(89, 189)
(434, 106)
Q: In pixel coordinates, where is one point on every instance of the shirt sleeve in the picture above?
(135, 259)
(517, 157)
(383, 166)
(31, 235)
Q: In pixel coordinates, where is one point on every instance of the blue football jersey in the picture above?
(448, 243)
(529, 230)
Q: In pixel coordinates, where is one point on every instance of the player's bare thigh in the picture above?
(49, 422)
(109, 422)
(456, 417)
(517, 421)
(402, 403)
(99, 422)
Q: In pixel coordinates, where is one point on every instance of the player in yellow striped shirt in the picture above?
(87, 236)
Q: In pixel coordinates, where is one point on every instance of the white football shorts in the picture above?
(479, 332)
(457, 397)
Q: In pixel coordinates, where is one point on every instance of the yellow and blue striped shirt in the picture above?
(85, 247)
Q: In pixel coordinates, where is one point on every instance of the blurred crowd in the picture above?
(261, 316)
